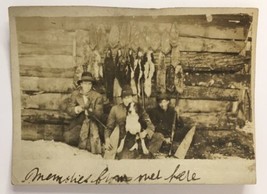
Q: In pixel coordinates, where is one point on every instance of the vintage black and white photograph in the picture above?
(133, 96)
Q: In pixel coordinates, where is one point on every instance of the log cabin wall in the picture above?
(214, 54)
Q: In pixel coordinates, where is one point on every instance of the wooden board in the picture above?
(53, 85)
(59, 37)
(114, 141)
(37, 71)
(185, 144)
(44, 49)
(48, 61)
(210, 45)
(33, 131)
(49, 101)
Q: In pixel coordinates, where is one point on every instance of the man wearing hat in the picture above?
(117, 118)
(85, 105)
(163, 117)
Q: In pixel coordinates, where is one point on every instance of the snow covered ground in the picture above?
(42, 149)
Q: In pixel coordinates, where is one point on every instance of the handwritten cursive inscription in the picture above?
(183, 175)
(106, 177)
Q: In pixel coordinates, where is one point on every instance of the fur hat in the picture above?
(86, 76)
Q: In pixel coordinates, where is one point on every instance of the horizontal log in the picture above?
(48, 61)
(219, 28)
(35, 131)
(53, 101)
(201, 106)
(212, 31)
(209, 93)
(210, 45)
(42, 49)
(37, 84)
(50, 101)
(209, 56)
(211, 121)
(194, 106)
(37, 71)
(58, 37)
(44, 116)
(212, 62)
(28, 132)
(198, 44)
(216, 80)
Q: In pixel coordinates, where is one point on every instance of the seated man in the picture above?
(117, 118)
(163, 117)
(86, 106)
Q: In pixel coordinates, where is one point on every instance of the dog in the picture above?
(133, 126)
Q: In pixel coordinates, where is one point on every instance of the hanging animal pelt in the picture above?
(170, 77)
(155, 38)
(161, 73)
(93, 37)
(113, 38)
(149, 69)
(165, 42)
(175, 56)
(96, 67)
(174, 35)
(179, 79)
(120, 71)
(109, 74)
(132, 71)
(102, 39)
(138, 71)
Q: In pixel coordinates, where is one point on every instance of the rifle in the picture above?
(92, 116)
(172, 134)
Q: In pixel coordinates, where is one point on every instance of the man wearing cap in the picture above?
(85, 105)
(117, 118)
(163, 117)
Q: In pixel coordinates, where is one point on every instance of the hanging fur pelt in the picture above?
(138, 71)
(120, 71)
(149, 69)
(179, 79)
(132, 71)
(96, 67)
(161, 73)
(109, 74)
(170, 77)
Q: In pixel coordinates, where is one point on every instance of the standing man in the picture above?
(164, 119)
(117, 118)
(86, 106)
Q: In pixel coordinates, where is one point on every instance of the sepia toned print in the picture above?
(166, 92)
